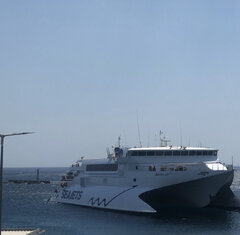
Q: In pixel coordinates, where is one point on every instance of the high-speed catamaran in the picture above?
(147, 179)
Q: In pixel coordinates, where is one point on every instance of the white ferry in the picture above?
(147, 179)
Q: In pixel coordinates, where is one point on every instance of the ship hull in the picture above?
(106, 197)
(191, 194)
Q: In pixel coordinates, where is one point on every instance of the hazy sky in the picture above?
(78, 72)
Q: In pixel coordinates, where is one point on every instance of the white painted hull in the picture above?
(137, 198)
(106, 197)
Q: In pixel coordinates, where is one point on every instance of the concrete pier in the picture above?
(23, 232)
(29, 181)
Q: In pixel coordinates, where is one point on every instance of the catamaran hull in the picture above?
(196, 193)
(192, 194)
(108, 197)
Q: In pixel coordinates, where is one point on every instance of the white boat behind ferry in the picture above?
(147, 179)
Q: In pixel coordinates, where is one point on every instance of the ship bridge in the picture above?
(172, 151)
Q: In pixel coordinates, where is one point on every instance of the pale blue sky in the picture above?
(77, 72)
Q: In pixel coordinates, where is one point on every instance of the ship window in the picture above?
(192, 153)
(176, 153)
(215, 153)
(102, 167)
(199, 153)
(159, 153)
(180, 168)
(205, 153)
(141, 153)
(134, 153)
(150, 153)
(168, 153)
(152, 168)
(184, 153)
(210, 153)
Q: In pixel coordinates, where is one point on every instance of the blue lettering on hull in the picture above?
(71, 195)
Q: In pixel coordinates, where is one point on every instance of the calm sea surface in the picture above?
(25, 206)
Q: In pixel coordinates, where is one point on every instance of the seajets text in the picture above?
(71, 195)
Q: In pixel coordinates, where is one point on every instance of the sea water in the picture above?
(27, 206)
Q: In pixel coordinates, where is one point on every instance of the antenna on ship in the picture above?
(119, 141)
(139, 137)
(160, 134)
(108, 153)
(180, 136)
(163, 141)
(155, 139)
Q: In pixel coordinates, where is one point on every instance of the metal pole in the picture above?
(1, 174)
(1, 170)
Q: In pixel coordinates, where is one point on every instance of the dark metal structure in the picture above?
(2, 136)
